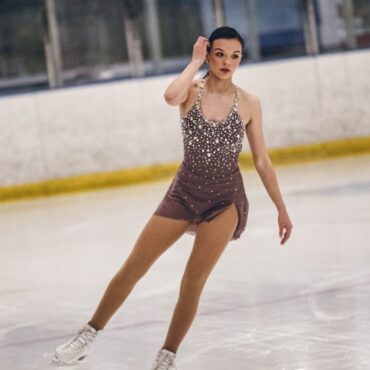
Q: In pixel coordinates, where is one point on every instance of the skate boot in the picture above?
(75, 350)
(165, 360)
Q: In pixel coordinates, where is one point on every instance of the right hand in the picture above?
(200, 50)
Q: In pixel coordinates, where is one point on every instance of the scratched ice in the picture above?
(304, 306)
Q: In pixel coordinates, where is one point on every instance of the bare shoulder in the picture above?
(194, 86)
(249, 104)
(193, 89)
(186, 105)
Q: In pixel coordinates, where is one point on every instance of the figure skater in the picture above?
(206, 197)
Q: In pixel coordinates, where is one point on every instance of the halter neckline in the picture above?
(198, 103)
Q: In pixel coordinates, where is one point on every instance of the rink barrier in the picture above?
(130, 176)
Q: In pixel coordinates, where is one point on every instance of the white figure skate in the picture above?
(73, 352)
(165, 360)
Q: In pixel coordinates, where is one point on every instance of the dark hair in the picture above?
(224, 32)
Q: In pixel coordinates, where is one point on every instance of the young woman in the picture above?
(206, 197)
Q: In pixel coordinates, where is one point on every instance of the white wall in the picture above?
(106, 127)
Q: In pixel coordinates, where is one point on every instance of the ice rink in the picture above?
(301, 306)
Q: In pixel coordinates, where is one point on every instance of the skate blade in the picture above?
(56, 362)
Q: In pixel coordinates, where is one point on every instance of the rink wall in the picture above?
(124, 132)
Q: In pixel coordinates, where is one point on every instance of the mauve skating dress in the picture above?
(209, 178)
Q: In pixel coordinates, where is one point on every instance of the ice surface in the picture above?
(301, 306)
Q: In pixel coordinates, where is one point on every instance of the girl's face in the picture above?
(224, 57)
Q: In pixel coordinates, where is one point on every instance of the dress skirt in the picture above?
(195, 198)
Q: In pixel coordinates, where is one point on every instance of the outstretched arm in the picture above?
(264, 166)
(177, 91)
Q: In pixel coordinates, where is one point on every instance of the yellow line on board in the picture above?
(93, 181)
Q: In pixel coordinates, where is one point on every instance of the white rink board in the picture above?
(110, 126)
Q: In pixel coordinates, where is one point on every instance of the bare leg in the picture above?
(210, 241)
(158, 235)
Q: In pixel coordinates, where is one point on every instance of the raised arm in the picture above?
(178, 90)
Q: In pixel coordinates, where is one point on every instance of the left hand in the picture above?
(284, 226)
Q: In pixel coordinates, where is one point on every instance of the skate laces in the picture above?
(164, 361)
(83, 337)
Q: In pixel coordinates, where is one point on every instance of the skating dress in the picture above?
(208, 179)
